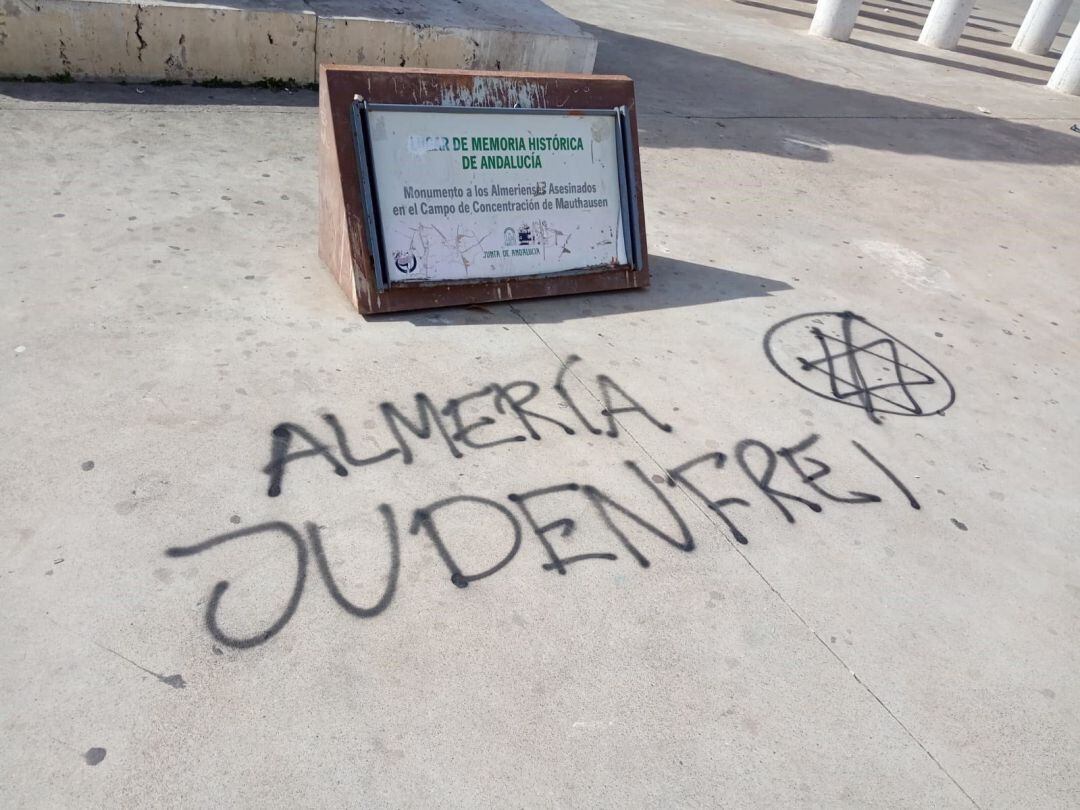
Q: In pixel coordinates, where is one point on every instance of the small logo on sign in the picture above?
(509, 237)
(525, 235)
(405, 261)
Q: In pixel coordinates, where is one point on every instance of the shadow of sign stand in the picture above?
(444, 188)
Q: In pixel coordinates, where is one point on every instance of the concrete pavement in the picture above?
(907, 639)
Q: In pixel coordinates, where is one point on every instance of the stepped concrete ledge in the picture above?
(281, 40)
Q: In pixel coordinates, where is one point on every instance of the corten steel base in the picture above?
(343, 241)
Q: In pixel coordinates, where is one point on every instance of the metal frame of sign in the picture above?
(350, 240)
(370, 188)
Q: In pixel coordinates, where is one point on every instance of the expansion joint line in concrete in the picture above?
(153, 108)
(964, 117)
(731, 542)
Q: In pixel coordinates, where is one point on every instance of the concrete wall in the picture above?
(283, 41)
(93, 40)
(379, 42)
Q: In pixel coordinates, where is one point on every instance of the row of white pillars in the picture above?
(835, 19)
(945, 23)
(1040, 26)
(1066, 76)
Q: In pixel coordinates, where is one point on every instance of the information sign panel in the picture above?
(459, 187)
(472, 194)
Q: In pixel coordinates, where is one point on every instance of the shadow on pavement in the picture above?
(150, 94)
(675, 284)
(909, 30)
(933, 58)
(685, 96)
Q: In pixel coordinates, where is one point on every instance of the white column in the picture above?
(1066, 76)
(1040, 26)
(945, 23)
(835, 19)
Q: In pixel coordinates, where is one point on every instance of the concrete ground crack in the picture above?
(175, 681)
(720, 529)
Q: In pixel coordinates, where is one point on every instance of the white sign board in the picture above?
(463, 195)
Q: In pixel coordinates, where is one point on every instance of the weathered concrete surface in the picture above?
(282, 40)
(494, 35)
(163, 309)
(101, 39)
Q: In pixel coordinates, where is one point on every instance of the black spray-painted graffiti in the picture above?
(843, 357)
(757, 462)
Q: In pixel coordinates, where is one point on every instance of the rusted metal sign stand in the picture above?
(443, 188)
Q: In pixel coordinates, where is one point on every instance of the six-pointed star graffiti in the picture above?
(843, 357)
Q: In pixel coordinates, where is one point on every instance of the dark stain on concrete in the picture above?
(94, 756)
